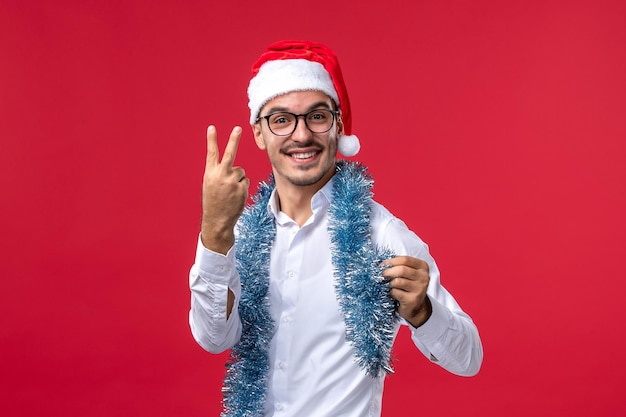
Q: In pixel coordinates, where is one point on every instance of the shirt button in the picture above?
(280, 407)
(287, 319)
(281, 365)
(291, 274)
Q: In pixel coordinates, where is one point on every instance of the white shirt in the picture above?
(312, 367)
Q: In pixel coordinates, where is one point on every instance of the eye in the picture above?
(318, 115)
(281, 118)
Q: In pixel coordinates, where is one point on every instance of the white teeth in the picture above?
(303, 155)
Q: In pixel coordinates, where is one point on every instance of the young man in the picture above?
(309, 285)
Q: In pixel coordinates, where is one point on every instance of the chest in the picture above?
(301, 285)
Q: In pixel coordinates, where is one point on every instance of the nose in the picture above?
(302, 132)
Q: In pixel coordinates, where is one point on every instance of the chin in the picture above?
(312, 176)
(307, 180)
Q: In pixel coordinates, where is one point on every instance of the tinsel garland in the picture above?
(362, 292)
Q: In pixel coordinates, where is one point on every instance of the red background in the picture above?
(494, 129)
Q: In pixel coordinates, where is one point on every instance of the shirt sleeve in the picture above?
(449, 338)
(210, 278)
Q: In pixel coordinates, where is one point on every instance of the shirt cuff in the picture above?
(431, 331)
(214, 266)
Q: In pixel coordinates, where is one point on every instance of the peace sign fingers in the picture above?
(213, 153)
(224, 192)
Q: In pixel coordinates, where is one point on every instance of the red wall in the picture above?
(494, 129)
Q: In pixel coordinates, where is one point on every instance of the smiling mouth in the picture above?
(302, 155)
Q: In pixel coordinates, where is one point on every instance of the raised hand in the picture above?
(224, 193)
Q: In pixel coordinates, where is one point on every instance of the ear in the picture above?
(339, 122)
(258, 136)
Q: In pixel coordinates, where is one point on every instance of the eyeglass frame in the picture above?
(334, 114)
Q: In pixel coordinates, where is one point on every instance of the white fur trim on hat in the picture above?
(284, 76)
(348, 145)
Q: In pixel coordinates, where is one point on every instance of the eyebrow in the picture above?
(275, 109)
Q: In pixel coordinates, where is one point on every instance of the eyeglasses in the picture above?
(285, 123)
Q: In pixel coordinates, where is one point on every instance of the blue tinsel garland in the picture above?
(363, 295)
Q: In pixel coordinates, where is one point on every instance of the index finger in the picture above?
(231, 147)
(212, 151)
(407, 261)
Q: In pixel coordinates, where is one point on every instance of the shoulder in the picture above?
(391, 232)
(381, 218)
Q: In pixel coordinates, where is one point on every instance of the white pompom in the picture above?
(349, 145)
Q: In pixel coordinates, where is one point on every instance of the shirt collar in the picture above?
(320, 200)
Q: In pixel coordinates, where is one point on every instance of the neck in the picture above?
(295, 200)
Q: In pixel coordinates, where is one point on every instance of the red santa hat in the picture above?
(288, 66)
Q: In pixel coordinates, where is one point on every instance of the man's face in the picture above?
(303, 158)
